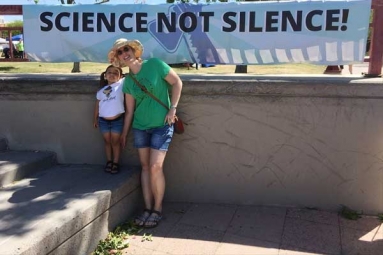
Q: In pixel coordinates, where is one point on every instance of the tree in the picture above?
(16, 23)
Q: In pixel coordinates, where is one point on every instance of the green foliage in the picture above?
(16, 23)
(118, 240)
(146, 237)
(349, 214)
(380, 217)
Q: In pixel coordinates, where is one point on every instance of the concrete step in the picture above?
(66, 209)
(3, 144)
(15, 165)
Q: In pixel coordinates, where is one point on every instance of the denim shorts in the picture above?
(111, 126)
(156, 138)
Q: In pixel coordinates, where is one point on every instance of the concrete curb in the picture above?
(3, 144)
(20, 164)
(66, 209)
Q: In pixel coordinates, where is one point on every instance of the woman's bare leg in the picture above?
(144, 155)
(157, 177)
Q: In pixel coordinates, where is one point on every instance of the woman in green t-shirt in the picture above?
(151, 122)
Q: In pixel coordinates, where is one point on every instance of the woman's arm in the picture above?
(175, 81)
(129, 111)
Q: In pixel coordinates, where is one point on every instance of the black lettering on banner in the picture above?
(252, 27)
(206, 20)
(227, 19)
(141, 22)
(163, 20)
(344, 19)
(87, 22)
(295, 24)
(309, 20)
(58, 21)
(109, 24)
(46, 21)
(75, 22)
(188, 16)
(331, 18)
(271, 18)
(243, 21)
(121, 22)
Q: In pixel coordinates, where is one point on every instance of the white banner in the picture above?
(317, 32)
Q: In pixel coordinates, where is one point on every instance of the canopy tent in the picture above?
(16, 37)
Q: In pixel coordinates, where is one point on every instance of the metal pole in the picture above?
(375, 65)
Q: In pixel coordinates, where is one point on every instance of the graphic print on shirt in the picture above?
(107, 91)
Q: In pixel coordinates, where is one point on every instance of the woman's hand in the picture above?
(170, 117)
(95, 124)
(123, 141)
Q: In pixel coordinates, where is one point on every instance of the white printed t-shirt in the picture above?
(111, 99)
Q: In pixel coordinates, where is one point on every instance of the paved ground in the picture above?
(357, 70)
(229, 229)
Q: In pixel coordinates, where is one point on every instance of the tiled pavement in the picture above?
(252, 230)
(229, 229)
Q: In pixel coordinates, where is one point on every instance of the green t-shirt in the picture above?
(149, 113)
(20, 46)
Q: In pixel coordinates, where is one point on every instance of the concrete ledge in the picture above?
(65, 206)
(3, 144)
(327, 86)
(16, 165)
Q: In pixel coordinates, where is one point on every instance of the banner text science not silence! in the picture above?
(251, 21)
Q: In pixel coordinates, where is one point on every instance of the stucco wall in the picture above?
(292, 141)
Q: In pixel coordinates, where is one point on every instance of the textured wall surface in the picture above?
(294, 141)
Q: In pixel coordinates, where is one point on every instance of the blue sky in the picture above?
(10, 18)
(10, 2)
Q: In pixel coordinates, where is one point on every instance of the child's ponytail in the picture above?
(103, 81)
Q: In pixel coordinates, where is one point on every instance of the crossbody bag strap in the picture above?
(144, 89)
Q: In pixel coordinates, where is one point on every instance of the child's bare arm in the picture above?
(95, 115)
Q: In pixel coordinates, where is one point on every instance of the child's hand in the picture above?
(95, 124)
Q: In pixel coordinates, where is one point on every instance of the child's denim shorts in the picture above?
(111, 126)
(155, 138)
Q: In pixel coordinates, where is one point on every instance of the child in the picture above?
(109, 114)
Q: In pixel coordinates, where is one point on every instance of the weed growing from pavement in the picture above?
(118, 240)
(349, 214)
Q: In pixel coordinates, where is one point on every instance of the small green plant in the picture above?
(118, 240)
(380, 217)
(349, 214)
(146, 237)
